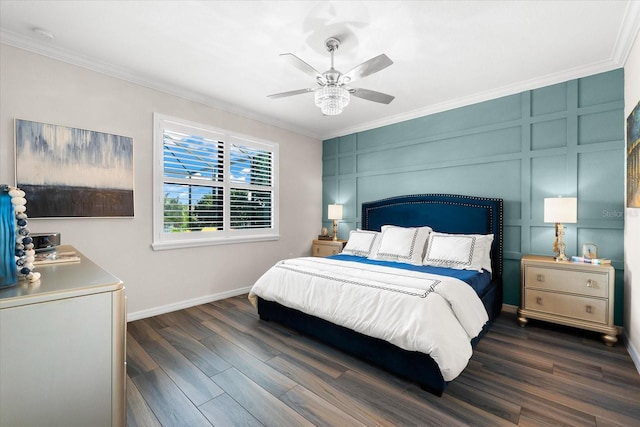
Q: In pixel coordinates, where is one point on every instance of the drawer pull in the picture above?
(540, 277)
(590, 283)
(589, 310)
(539, 300)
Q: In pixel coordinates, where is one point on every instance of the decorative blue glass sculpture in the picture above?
(8, 269)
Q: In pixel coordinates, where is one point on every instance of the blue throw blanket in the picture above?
(477, 280)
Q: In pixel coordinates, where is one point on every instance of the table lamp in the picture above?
(335, 213)
(559, 210)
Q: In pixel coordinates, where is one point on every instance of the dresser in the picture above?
(62, 348)
(568, 293)
(324, 248)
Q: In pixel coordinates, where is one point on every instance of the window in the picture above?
(211, 186)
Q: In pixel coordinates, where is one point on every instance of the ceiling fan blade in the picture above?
(372, 95)
(290, 93)
(369, 67)
(301, 65)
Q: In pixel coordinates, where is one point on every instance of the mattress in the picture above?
(415, 310)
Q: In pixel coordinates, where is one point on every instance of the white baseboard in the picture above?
(633, 352)
(143, 314)
(508, 308)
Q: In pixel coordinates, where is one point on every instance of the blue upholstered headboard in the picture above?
(446, 213)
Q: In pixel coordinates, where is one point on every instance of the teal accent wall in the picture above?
(566, 139)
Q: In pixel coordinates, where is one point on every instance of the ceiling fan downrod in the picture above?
(332, 75)
(332, 45)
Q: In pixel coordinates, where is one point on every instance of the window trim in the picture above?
(162, 240)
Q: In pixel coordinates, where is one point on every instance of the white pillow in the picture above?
(459, 251)
(361, 243)
(486, 240)
(402, 244)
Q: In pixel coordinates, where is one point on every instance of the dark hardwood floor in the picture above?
(218, 364)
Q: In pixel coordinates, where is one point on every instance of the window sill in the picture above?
(195, 243)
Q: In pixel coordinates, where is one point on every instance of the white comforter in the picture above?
(416, 311)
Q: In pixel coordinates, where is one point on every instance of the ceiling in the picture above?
(225, 54)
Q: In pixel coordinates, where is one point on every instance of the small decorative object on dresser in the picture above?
(590, 251)
(17, 249)
(324, 248)
(8, 270)
(325, 234)
(568, 293)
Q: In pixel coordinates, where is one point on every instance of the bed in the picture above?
(448, 218)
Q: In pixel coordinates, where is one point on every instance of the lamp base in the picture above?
(559, 245)
(335, 230)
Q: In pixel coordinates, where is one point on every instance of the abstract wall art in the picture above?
(70, 172)
(633, 158)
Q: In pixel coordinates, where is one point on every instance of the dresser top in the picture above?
(541, 259)
(59, 281)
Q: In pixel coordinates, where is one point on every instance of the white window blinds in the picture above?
(215, 187)
(251, 171)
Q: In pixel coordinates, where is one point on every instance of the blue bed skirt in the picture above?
(414, 366)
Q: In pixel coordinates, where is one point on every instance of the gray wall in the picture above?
(566, 139)
(34, 87)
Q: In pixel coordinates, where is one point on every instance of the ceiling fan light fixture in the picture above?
(331, 94)
(332, 99)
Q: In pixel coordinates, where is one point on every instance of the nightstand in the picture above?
(324, 248)
(568, 293)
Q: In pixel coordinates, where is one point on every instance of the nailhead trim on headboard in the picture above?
(467, 201)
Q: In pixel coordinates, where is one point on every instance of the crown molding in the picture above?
(90, 63)
(629, 30)
(513, 89)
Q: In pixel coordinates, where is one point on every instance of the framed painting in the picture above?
(633, 158)
(69, 172)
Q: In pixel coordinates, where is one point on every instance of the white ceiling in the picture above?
(226, 53)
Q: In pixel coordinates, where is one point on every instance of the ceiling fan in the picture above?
(332, 93)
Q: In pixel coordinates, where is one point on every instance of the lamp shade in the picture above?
(561, 209)
(334, 212)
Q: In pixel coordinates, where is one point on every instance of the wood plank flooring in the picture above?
(218, 364)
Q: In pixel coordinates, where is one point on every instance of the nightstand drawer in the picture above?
(579, 282)
(575, 307)
(324, 248)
